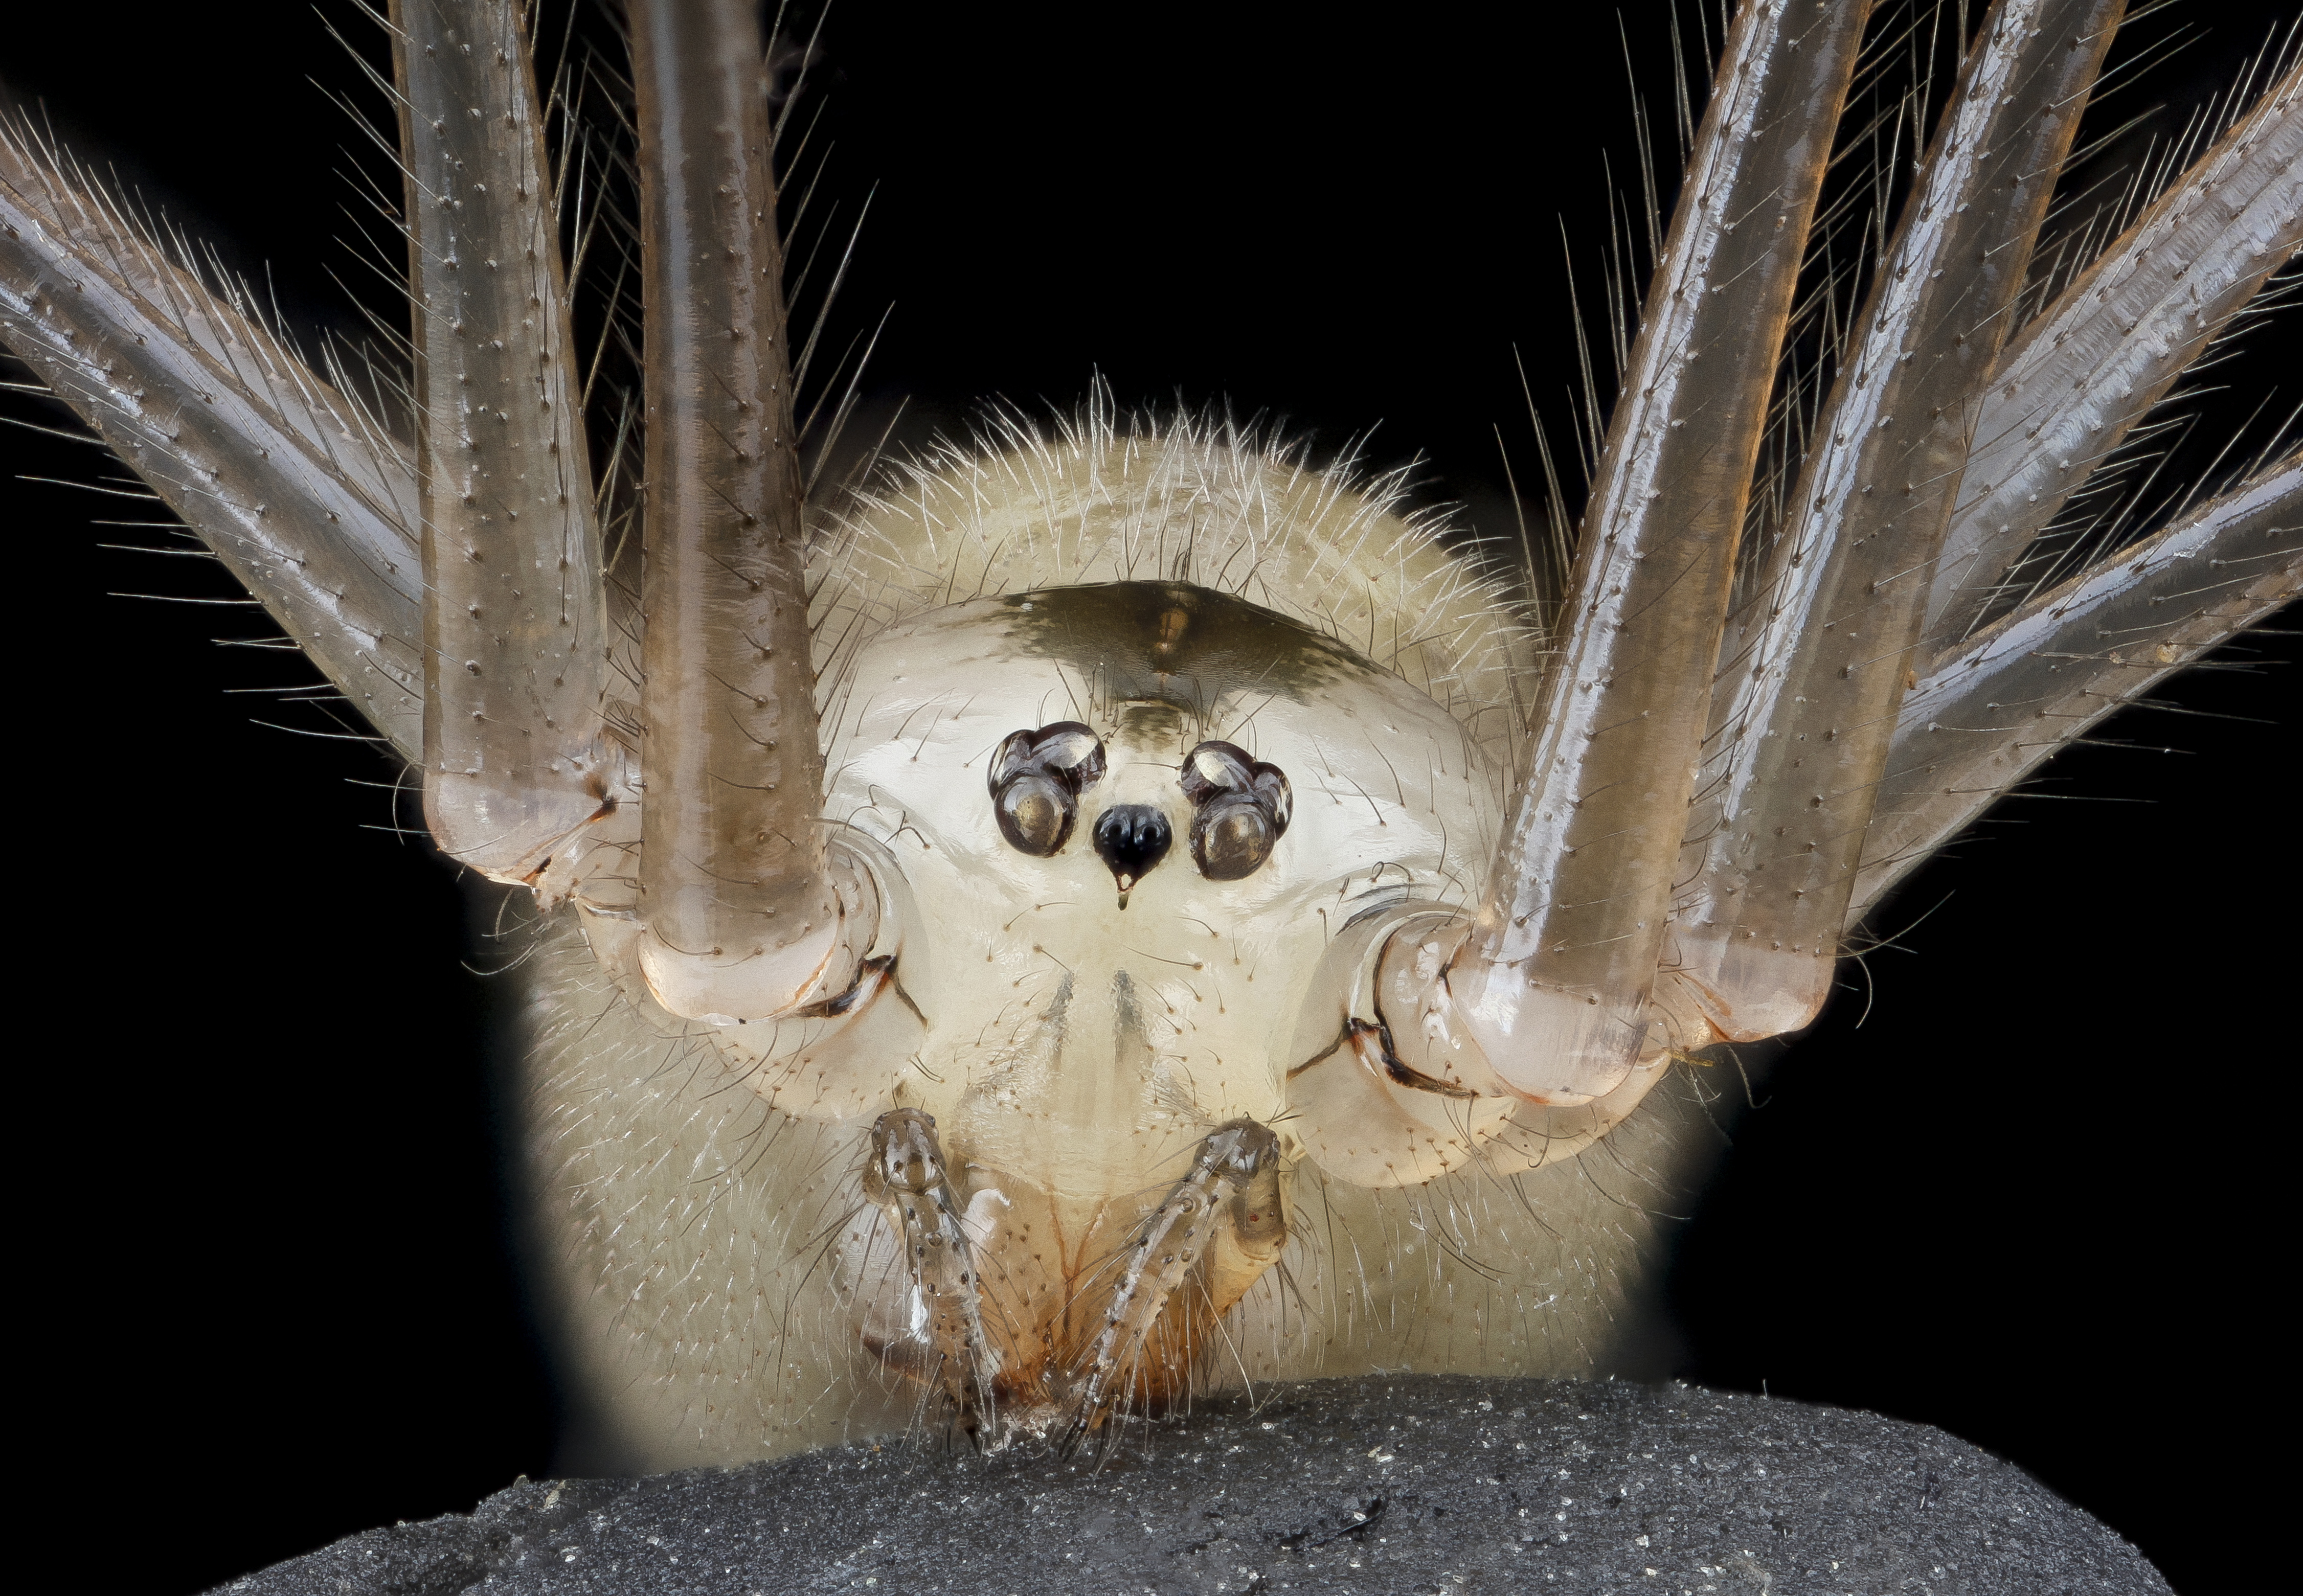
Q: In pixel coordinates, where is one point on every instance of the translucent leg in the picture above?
(1553, 983)
(2074, 381)
(1812, 683)
(299, 491)
(1363, 1114)
(515, 625)
(2031, 685)
(742, 919)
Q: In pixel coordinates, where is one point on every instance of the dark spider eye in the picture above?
(1243, 806)
(1231, 836)
(1034, 812)
(1036, 778)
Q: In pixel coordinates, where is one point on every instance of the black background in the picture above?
(266, 1274)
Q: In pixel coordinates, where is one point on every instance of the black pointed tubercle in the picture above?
(1131, 839)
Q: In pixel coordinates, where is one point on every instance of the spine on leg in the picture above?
(1813, 673)
(514, 645)
(743, 918)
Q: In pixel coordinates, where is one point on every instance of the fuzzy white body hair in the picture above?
(1105, 498)
(710, 1255)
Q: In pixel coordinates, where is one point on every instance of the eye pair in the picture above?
(1241, 806)
(1036, 778)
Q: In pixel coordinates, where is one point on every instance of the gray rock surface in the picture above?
(1415, 1484)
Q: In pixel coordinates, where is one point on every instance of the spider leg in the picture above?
(1360, 1110)
(1551, 984)
(1365, 1115)
(2016, 693)
(1818, 664)
(744, 914)
(1543, 997)
(2074, 381)
(1546, 996)
(516, 759)
(299, 490)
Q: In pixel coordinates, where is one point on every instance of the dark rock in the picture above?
(1413, 1484)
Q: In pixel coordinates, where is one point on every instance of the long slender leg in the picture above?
(515, 624)
(213, 318)
(942, 1314)
(1553, 983)
(744, 915)
(303, 496)
(1822, 664)
(2027, 687)
(2085, 371)
(1208, 1241)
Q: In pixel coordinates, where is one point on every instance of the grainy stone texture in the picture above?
(1416, 1483)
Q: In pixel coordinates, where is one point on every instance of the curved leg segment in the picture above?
(939, 1333)
(1208, 1241)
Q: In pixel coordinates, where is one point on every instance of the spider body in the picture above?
(1098, 1005)
(824, 1168)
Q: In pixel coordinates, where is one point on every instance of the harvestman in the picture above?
(971, 1207)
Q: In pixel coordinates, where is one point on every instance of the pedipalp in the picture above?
(937, 1336)
(1209, 1239)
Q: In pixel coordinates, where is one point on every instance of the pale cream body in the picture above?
(712, 1255)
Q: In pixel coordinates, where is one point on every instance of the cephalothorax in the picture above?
(1029, 915)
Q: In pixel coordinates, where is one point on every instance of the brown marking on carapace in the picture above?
(1172, 625)
(1178, 643)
